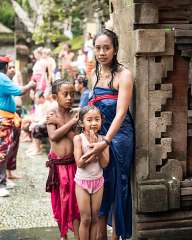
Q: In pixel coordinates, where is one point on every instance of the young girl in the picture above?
(89, 176)
(60, 182)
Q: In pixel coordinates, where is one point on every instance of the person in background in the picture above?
(39, 70)
(8, 117)
(65, 59)
(50, 65)
(12, 152)
(81, 86)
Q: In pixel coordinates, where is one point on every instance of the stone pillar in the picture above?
(152, 47)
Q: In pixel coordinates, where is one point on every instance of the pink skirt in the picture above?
(91, 186)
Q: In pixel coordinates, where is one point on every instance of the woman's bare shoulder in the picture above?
(124, 70)
(125, 75)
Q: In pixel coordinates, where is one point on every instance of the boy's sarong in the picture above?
(61, 184)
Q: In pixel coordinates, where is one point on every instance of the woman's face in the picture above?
(104, 50)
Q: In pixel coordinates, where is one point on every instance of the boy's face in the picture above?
(65, 96)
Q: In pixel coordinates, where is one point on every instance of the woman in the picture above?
(112, 93)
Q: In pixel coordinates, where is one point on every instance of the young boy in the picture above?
(60, 182)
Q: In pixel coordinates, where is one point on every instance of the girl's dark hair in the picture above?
(56, 85)
(114, 64)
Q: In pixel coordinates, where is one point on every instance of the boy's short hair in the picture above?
(57, 85)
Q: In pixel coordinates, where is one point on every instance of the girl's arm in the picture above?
(56, 135)
(78, 152)
(104, 157)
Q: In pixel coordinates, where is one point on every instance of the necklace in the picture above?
(104, 77)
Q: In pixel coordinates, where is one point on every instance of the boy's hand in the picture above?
(51, 118)
(75, 117)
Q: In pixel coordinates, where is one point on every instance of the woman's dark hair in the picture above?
(56, 85)
(114, 64)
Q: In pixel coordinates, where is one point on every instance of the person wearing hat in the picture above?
(81, 86)
(8, 117)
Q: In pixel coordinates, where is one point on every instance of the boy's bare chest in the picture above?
(62, 120)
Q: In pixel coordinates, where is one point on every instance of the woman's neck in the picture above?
(105, 68)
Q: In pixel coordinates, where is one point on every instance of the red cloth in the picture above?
(99, 98)
(63, 198)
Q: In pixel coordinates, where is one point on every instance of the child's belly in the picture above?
(63, 147)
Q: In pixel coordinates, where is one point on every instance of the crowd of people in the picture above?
(91, 146)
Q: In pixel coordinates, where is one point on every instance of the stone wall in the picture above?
(155, 44)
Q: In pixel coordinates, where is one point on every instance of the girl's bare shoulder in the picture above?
(77, 138)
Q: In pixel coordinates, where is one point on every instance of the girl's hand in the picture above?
(51, 119)
(95, 150)
(93, 137)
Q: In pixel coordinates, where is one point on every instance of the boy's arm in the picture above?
(78, 152)
(56, 134)
(104, 157)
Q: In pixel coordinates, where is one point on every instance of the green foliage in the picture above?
(57, 11)
(7, 14)
(50, 30)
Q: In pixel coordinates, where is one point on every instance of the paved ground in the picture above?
(28, 208)
(26, 214)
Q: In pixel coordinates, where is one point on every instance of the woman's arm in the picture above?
(123, 102)
(104, 157)
(78, 152)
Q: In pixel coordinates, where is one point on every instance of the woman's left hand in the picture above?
(95, 150)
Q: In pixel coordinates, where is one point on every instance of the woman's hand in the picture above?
(95, 150)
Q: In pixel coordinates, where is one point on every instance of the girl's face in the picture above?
(92, 121)
(104, 50)
(65, 96)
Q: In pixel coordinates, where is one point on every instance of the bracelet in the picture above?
(106, 141)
